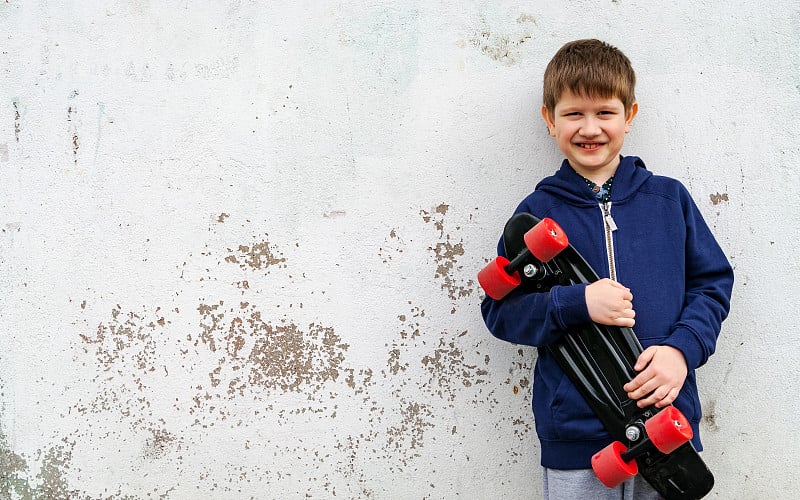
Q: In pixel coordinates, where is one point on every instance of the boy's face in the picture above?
(590, 132)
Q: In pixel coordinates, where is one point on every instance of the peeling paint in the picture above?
(392, 247)
(72, 129)
(524, 367)
(446, 253)
(503, 48)
(718, 198)
(18, 481)
(17, 118)
(257, 353)
(408, 436)
(13, 471)
(127, 339)
(449, 370)
(158, 444)
(256, 256)
(710, 416)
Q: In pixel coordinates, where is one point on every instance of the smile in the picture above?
(589, 146)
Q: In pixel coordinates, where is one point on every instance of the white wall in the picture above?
(239, 239)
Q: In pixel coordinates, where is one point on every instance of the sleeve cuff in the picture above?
(685, 341)
(570, 305)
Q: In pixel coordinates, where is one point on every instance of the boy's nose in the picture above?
(590, 128)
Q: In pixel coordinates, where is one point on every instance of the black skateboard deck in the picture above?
(599, 360)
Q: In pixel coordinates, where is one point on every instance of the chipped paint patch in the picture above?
(392, 246)
(408, 436)
(73, 131)
(127, 339)
(52, 483)
(264, 356)
(449, 370)
(718, 198)
(442, 372)
(523, 366)
(128, 350)
(256, 256)
(158, 444)
(505, 48)
(13, 471)
(17, 120)
(16, 480)
(447, 252)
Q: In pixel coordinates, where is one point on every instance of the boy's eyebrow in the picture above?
(605, 105)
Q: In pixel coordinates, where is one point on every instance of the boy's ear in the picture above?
(549, 120)
(630, 115)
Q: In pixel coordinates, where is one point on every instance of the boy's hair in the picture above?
(589, 68)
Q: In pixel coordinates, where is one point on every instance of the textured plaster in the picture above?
(239, 239)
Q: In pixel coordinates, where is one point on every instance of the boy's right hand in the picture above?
(610, 303)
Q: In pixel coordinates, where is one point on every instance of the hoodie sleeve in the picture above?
(535, 319)
(709, 283)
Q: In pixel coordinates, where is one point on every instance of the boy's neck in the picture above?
(598, 176)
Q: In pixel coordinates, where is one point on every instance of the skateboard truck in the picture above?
(533, 271)
(665, 432)
(543, 241)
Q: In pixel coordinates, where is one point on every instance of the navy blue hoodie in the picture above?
(662, 250)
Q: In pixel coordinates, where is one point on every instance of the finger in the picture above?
(626, 292)
(660, 398)
(615, 284)
(645, 402)
(627, 313)
(642, 392)
(624, 322)
(645, 358)
(633, 385)
(642, 385)
(669, 399)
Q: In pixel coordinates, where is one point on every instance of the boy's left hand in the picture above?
(662, 374)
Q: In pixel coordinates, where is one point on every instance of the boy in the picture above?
(645, 236)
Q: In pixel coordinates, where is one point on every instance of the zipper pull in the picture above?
(610, 224)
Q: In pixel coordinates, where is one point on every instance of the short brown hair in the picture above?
(590, 68)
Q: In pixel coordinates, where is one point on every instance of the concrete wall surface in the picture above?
(239, 239)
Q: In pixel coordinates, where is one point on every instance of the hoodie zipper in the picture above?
(610, 227)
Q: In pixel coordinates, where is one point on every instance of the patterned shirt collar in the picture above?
(602, 193)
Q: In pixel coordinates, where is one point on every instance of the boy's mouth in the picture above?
(589, 146)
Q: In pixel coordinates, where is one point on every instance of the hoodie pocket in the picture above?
(575, 418)
(562, 414)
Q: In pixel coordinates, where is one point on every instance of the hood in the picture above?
(570, 186)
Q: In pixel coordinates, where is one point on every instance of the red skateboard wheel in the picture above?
(495, 281)
(610, 468)
(668, 430)
(546, 239)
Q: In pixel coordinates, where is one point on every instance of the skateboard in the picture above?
(653, 442)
